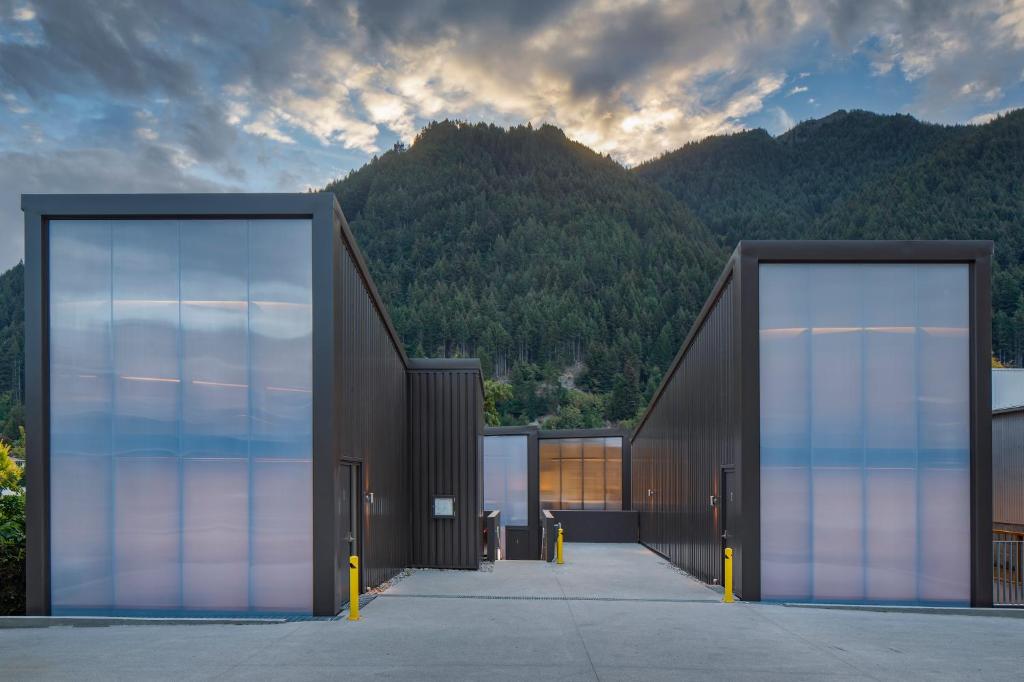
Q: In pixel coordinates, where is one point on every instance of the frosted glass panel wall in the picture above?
(181, 416)
(581, 473)
(505, 478)
(865, 427)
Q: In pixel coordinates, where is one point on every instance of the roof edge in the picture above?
(465, 364)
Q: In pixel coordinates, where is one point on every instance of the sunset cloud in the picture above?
(240, 94)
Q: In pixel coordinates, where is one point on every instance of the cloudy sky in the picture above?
(284, 95)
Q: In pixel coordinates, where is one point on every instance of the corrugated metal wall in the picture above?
(446, 456)
(679, 449)
(373, 424)
(1008, 468)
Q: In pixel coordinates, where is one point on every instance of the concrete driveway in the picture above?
(613, 612)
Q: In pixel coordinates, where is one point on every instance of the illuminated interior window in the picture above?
(581, 473)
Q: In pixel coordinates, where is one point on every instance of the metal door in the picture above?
(348, 489)
(517, 543)
(730, 514)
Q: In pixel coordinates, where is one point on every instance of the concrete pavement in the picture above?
(613, 612)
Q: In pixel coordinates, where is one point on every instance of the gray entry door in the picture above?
(347, 485)
(729, 508)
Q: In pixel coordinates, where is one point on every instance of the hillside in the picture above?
(559, 268)
(526, 249)
(859, 175)
(12, 347)
(750, 185)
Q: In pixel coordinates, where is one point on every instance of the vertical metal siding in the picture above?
(446, 455)
(681, 446)
(1008, 468)
(373, 423)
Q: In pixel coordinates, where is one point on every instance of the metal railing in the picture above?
(1007, 565)
(548, 535)
(492, 535)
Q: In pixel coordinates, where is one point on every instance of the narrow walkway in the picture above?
(592, 572)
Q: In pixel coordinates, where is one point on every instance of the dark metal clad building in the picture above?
(219, 412)
(583, 474)
(691, 432)
(828, 418)
(446, 456)
(1008, 468)
(373, 422)
(194, 358)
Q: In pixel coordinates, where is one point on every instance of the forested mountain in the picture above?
(750, 185)
(857, 175)
(531, 251)
(559, 268)
(12, 351)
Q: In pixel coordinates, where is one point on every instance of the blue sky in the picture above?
(226, 95)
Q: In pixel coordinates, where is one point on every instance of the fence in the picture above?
(1007, 578)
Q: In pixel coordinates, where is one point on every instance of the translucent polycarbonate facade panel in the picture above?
(865, 426)
(572, 473)
(81, 406)
(550, 475)
(593, 473)
(581, 473)
(506, 479)
(215, 533)
(613, 473)
(180, 416)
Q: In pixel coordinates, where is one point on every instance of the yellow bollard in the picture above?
(353, 587)
(558, 546)
(727, 598)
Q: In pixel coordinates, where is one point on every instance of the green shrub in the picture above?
(12, 554)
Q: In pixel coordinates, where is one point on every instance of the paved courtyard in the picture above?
(612, 612)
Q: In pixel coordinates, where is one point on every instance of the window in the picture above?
(505, 478)
(865, 427)
(180, 416)
(581, 473)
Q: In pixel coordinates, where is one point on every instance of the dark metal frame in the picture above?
(742, 267)
(534, 435)
(328, 228)
(433, 510)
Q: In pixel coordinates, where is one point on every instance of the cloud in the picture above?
(279, 95)
(783, 121)
(982, 119)
(626, 77)
(146, 168)
(960, 53)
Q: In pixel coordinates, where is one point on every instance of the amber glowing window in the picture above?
(581, 473)
(550, 476)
